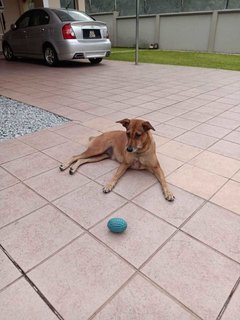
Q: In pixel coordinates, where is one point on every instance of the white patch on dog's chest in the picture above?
(136, 164)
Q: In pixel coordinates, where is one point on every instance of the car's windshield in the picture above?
(71, 15)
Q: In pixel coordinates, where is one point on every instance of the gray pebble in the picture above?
(18, 118)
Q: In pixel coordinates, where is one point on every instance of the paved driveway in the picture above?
(176, 260)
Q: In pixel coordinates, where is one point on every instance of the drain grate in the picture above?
(18, 118)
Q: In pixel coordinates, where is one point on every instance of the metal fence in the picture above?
(126, 7)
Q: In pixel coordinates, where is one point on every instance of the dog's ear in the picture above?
(147, 126)
(124, 122)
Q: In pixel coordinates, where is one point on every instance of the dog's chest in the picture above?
(137, 164)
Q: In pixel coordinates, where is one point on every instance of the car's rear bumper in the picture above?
(75, 49)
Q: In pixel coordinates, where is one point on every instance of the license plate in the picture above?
(91, 34)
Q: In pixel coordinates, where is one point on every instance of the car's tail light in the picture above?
(105, 34)
(68, 32)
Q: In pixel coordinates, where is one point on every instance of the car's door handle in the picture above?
(42, 29)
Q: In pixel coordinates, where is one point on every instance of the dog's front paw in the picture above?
(62, 167)
(169, 196)
(108, 188)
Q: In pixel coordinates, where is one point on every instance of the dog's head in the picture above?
(137, 133)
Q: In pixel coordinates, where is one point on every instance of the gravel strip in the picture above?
(18, 118)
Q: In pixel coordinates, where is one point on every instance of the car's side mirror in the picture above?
(13, 27)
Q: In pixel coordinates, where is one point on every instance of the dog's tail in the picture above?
(91, 138)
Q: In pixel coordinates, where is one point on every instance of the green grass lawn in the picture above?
(194, 59)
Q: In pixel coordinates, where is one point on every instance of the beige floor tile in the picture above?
(6, 179)
(168, 164)
(174, 111)
(31, 165)
(54, 183)
(212, 131)
(233, 309)
(225, 123)
(80, 278)
(37, 236)
(43, 139)
(16, 202)
(188, 270)
(88, 205)
(197, 116)
(8, 272)
(196, 139)
(97, 169)
(179, 151)
(216, 163)
(217, 227)
(233, 137)
(65, 151)
(196, 180)
(226, 148)
(236, 177)
(13, 149)
(99, 111)
(159, 140)
(21, 302)
(175, 212)
(78, 133)
(158, 116)
(138, 112)
(228, 196)
(141, 300)
(80, 116)
(183, 123)
(101, 124)
(132, 183)
(168, 131)
(231, 115)
(144, 234)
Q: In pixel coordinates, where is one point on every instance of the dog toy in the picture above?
(117, 225)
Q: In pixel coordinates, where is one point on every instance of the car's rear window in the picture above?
(71, 15)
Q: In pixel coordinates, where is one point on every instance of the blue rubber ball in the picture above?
(117, 225)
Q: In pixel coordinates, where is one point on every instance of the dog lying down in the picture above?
(134, 149)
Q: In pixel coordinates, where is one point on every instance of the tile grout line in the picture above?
(228, 300)
(31, 283)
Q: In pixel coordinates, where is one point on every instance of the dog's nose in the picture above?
(130, 149)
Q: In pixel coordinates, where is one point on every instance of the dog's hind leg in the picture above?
(79, 162)
(96, 148)
(68, 163)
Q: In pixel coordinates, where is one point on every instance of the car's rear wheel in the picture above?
(50, 56)
(7, 52)
(95, 60)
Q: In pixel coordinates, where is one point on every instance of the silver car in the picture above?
(56, 35)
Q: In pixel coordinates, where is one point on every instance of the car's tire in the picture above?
(50, 55)
(7, 52)
(95, 60)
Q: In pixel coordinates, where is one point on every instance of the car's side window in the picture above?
(39, 17)
(23, 22)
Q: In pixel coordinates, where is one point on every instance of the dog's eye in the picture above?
(128, 134)
(137, 135)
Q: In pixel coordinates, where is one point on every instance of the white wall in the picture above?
(212, 31)
(185, 32)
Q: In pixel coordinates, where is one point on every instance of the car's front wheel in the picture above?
(7, 52)
(95, 60)
(50, 56)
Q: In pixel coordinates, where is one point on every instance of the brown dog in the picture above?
(134, 149)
